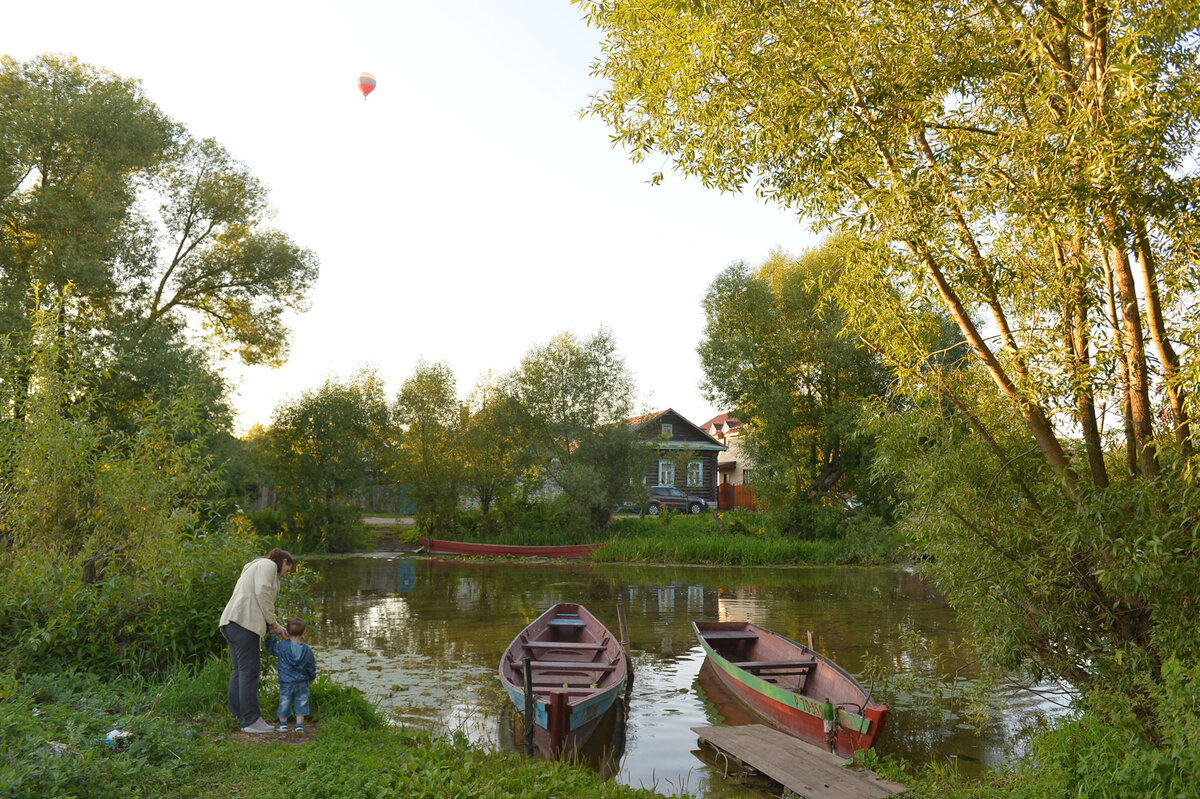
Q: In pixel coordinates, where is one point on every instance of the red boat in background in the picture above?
(435, 546)
(787, 683)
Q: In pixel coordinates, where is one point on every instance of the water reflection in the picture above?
(424, 637)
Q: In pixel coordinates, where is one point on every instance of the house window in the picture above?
(666, 473)
(695, 474)
(668, 430)
(746, 478)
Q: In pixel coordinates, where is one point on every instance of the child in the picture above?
(297, 667)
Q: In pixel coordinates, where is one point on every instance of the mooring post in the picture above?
(557, 723)
(530, 714)
(810, 639)
(625, 648)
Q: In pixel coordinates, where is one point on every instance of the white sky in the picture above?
(463, 212)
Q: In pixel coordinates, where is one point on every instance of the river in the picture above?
(423, 637)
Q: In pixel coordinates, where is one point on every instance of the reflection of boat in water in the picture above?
(600, 753)
(577, 668)
(787, 683)
(436, 546)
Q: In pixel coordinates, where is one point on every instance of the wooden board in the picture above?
(798, 766)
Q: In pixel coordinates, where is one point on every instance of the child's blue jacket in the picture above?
(296, 661)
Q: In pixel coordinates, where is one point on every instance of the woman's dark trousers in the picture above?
(244, 647)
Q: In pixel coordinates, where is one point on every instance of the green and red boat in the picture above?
(787, 683)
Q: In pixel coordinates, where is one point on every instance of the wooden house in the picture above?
(687, 456)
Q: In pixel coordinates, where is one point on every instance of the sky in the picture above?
(464, 212)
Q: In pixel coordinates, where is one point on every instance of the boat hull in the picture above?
(789, 701)
(437, 546)
(578, 670)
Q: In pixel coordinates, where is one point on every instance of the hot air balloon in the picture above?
(366, 83)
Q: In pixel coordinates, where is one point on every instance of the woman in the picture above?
(249, 615)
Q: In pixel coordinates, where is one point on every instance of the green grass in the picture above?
(52, 731)
(732, 538)
(737, 538)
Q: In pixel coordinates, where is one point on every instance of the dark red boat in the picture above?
(787, 683)
(435, 546)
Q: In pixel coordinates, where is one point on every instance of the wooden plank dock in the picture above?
(798, 766)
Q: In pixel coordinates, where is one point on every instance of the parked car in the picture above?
(674, 498)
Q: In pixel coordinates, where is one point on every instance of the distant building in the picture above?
(735, 473)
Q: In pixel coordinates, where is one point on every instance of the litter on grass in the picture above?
(118, 739)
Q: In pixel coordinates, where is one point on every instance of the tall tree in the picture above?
(578, 395)
(430, 461)
(152, 229)
(322, 449)
(1033, 162)
(775, 350)
(495, 446)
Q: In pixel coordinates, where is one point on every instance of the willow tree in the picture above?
(1029, 167)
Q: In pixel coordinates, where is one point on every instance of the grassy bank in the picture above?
(52, 731)
(738, 538)
(729, 538)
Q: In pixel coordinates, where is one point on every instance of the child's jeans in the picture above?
(293, 698)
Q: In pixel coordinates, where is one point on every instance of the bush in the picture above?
(139, 617)
(319, 527)
(268, 522)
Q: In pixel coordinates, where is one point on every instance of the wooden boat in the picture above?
(786, 683)
(437, 546)
(577, 668)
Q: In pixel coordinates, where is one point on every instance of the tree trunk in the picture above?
(1035, 417)
(1140, 410)
(1158, 331)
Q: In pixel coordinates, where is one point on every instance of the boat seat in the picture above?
(729, 635)
(567, 623)
(560, 645)
(569, 679)
(793, 666)
(563, 665)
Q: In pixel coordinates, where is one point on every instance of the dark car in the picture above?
(674, 498)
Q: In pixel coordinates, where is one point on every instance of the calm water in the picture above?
(424, 638)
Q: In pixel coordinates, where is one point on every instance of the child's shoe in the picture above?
(299, 728)
(282, 726)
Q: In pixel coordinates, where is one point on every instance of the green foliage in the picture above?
(52, 730)
(319, 451)
(775, 349)
(429, 462)
(133, 619)
(1016, 573)
(495, 448)
(744, 538)
(992, 159)
(103, 191)
(143, 242)
(1098, 755)
(577, 396)
(112, 554)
